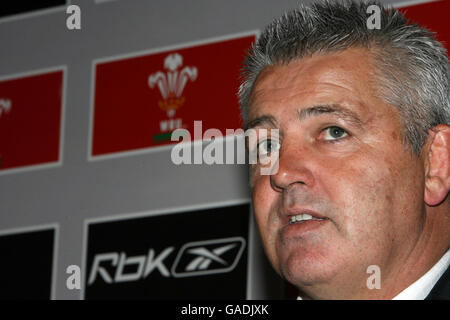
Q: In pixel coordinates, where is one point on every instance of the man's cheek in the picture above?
(253, 175)
(262, 204)
(356, 197)
(369, 209)
(267, 231)
(260, 187)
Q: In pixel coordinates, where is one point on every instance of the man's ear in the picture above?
(437, 171)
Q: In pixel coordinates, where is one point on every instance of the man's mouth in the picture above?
(302, 223)
(303, 217)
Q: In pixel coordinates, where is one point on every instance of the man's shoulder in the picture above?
(441, 290)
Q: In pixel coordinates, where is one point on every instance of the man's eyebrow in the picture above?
(334, 109)
(262, 121)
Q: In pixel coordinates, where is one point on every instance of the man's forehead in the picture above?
(319, 77)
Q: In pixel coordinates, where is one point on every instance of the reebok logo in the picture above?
(193, 259)
(207, 257)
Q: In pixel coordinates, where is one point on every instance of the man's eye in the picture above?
(334, 133)
(268, 146)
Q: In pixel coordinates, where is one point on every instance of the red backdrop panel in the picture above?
(140, 100)
(30, 119)
(432, 15)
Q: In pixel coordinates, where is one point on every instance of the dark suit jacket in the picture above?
(441, 291)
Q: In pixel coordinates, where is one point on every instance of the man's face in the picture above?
(341, 161)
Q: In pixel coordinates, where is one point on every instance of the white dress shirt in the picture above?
(422, 287)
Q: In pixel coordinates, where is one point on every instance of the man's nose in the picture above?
(294, 166)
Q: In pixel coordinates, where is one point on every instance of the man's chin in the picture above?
(304, 278)
(307, 269)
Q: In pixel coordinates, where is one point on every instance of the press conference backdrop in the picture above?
(86, 175)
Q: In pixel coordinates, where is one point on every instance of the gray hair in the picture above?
(412, 67)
